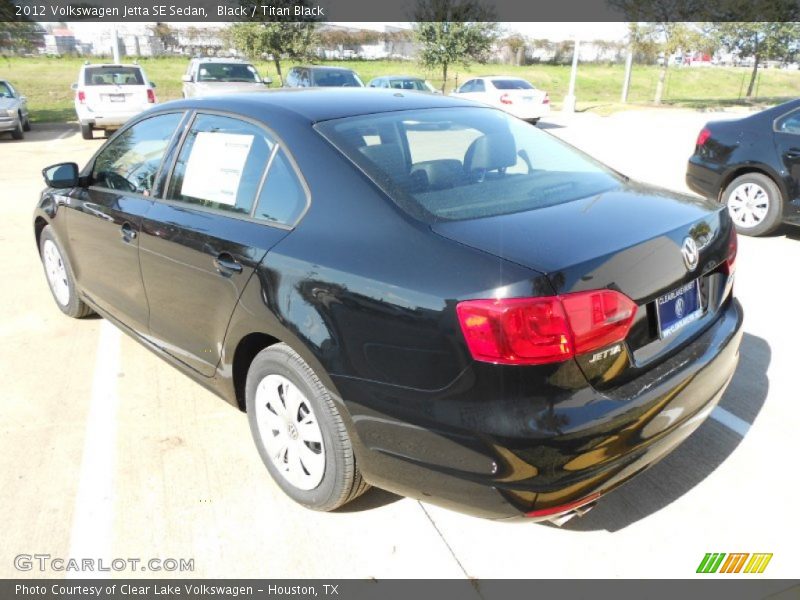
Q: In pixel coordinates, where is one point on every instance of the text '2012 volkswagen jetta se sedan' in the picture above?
(405, 290)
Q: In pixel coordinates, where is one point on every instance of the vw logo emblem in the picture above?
(691, 255)
(680, 306)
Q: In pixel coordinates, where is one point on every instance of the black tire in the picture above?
(341, 481)
(17, 133)
(75, 307)
(27, 125)
(774, 199)
(86, 132)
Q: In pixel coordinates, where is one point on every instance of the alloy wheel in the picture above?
(56, 272)
(748, 204)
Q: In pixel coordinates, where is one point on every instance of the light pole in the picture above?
(569, 99)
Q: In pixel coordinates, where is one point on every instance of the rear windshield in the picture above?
(419, 85)
(464, 163)
(336, 79)
(114, 76)
(512, 84)
(227, 72)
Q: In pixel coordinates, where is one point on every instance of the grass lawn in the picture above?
(46, 82)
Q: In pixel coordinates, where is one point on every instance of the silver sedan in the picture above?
(14, 115)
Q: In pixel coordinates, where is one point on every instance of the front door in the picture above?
(106, 218)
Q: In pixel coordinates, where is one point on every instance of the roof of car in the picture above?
(320, 104)
(401, 77)
(219, 59)
(323, 68)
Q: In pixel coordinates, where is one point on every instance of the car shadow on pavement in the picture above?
(695, 459)
(374, 498)
(45, 132)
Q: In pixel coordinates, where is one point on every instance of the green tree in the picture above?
(275, 35)
(760, 40)
(452, 32)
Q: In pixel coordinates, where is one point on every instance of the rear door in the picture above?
(105, 218)
(115, 89)
(233, 194)
(787, 144)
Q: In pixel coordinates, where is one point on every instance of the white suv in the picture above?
(106, 96)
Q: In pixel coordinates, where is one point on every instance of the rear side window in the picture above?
(131, 161)
(479, 86)
(464, 163)
(282, 198)
(789, 123)
(113, 76)
(512, 84)
(221, 164)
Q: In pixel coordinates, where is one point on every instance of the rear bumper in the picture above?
(504, 458)
(102, 120)
(532, 111)
(702, 179)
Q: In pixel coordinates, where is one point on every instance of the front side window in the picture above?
(479, 86)
(232, 72)
(6, 91)
(467, 87)
(221, 164)
(450, 164)
(130, 162)
(113, 76)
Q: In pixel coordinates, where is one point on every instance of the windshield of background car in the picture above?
(512, 84)
(5, 90)
(464, 163)
(227, 72)
(113, 76)
(337, 79)
(418, 85)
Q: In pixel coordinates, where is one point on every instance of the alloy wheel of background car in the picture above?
(59, 276)
(299, 431)
(288, 426)
(754, 203)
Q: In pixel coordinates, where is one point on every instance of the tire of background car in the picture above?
(755, 203)
(60, 277)
(27, 124)
(299, 432)
(86, 132)
(17, 133)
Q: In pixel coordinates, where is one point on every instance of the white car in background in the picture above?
(512, 94)
(213, 76)
(106, 96)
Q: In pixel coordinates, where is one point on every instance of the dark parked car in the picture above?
(405, 290)
(752, 165)
(304, 77)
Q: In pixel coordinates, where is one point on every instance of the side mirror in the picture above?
(266, 80)
(61, 176)
(153, 84)
(186, 79)
(74, 86)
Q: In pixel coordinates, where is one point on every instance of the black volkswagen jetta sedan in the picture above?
(752, 165)
(407, 291)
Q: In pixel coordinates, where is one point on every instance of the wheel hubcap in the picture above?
(289, 430)
(748, 205)
(56, 272)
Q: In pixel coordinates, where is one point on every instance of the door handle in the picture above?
(226, 264)
(128, 232)
(793, 153)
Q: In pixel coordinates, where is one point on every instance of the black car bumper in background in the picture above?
(521, 453)
(703, 179)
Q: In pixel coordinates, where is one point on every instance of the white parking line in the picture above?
(65, 134)
(93, 520)
(730, 420)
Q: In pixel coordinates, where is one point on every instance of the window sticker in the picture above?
(215, 166)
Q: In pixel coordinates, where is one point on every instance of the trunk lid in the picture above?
(628, 239)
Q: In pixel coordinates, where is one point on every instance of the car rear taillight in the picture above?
(151, 96)
(546, 99)
(81, 97)
(506, 99)
(703, 136)
(533, 331)
(733, 250)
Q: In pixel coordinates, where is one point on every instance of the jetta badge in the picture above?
(691, 255)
